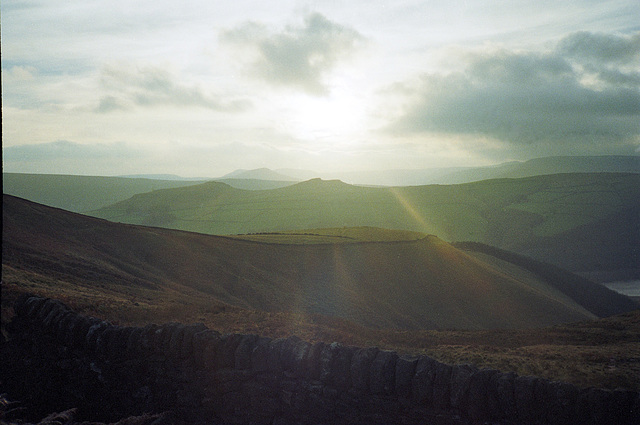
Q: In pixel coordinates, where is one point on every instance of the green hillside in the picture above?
(373, 277)
(81, 193)
(540, 216)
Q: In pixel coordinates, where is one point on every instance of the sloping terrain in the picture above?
(589, 218)
(81, 193)
(411, 282)
(135, 276)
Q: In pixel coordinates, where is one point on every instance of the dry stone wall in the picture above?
(59, 359)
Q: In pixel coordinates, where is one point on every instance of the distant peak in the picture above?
(258, 174)
(318, 181)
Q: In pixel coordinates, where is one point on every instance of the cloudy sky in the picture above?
(201, 88)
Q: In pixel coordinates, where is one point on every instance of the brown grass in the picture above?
(134, 276)
(603, 353)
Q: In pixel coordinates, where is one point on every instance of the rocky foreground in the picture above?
(58, 361)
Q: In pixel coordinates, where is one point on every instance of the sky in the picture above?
(202, 88)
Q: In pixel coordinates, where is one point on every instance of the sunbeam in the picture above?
(423, 223)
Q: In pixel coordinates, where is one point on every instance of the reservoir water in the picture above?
(630, 288)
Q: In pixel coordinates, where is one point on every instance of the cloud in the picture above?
(298, 57)
(600, 47)
(531, 99)
(155, 86)
(19, 73)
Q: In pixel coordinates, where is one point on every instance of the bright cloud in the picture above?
(298, 57)
(155, 86)
(529, 99)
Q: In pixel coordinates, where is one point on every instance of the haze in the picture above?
(202, 88)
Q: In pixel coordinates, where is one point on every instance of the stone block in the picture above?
(361, 368)
(46, 308)
(147, 339)
(244, 350)
(228, 380)
(260, 355)
(423, 381)
(104, 340)
(274, 352)
(78, 331)
(186, 351)
(383, 373)
(607, 407)
(529, 402)
(335, 365)
(66, 323)
(560, 402)
(94, 333)
(176, 337)
(211, 344)
(294, 356)
(163, 337)
(50, 323)
(478, 395)
(501, 400)
(32, 306)
(300, 352)
(442, 386)
(200, 342)
(20, 306)
(313, 360)
(133, 342)
(460, 379)
(117, 346)
(226, 355)
(405, 371)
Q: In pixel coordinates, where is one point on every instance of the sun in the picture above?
(338, 116)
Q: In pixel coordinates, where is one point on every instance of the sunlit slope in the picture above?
(80, 193)
(558, 212)
(400, 280)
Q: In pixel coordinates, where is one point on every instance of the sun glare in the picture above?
(337, 117)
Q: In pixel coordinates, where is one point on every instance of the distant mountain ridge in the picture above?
(164, 177)
(454, 175)
(513, 169)
(87, 193)
(257, 174)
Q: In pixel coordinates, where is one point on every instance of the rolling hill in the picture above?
(87, 193)
(81, 193)
(369, 277)
(583, 222)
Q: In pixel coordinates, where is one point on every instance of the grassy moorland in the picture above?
(133, 275)
(373, 277)
(602, 353)
(81, 193)
(583, 222)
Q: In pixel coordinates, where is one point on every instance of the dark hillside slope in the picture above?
(594, 297)
(411, 283)
(565, 218)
